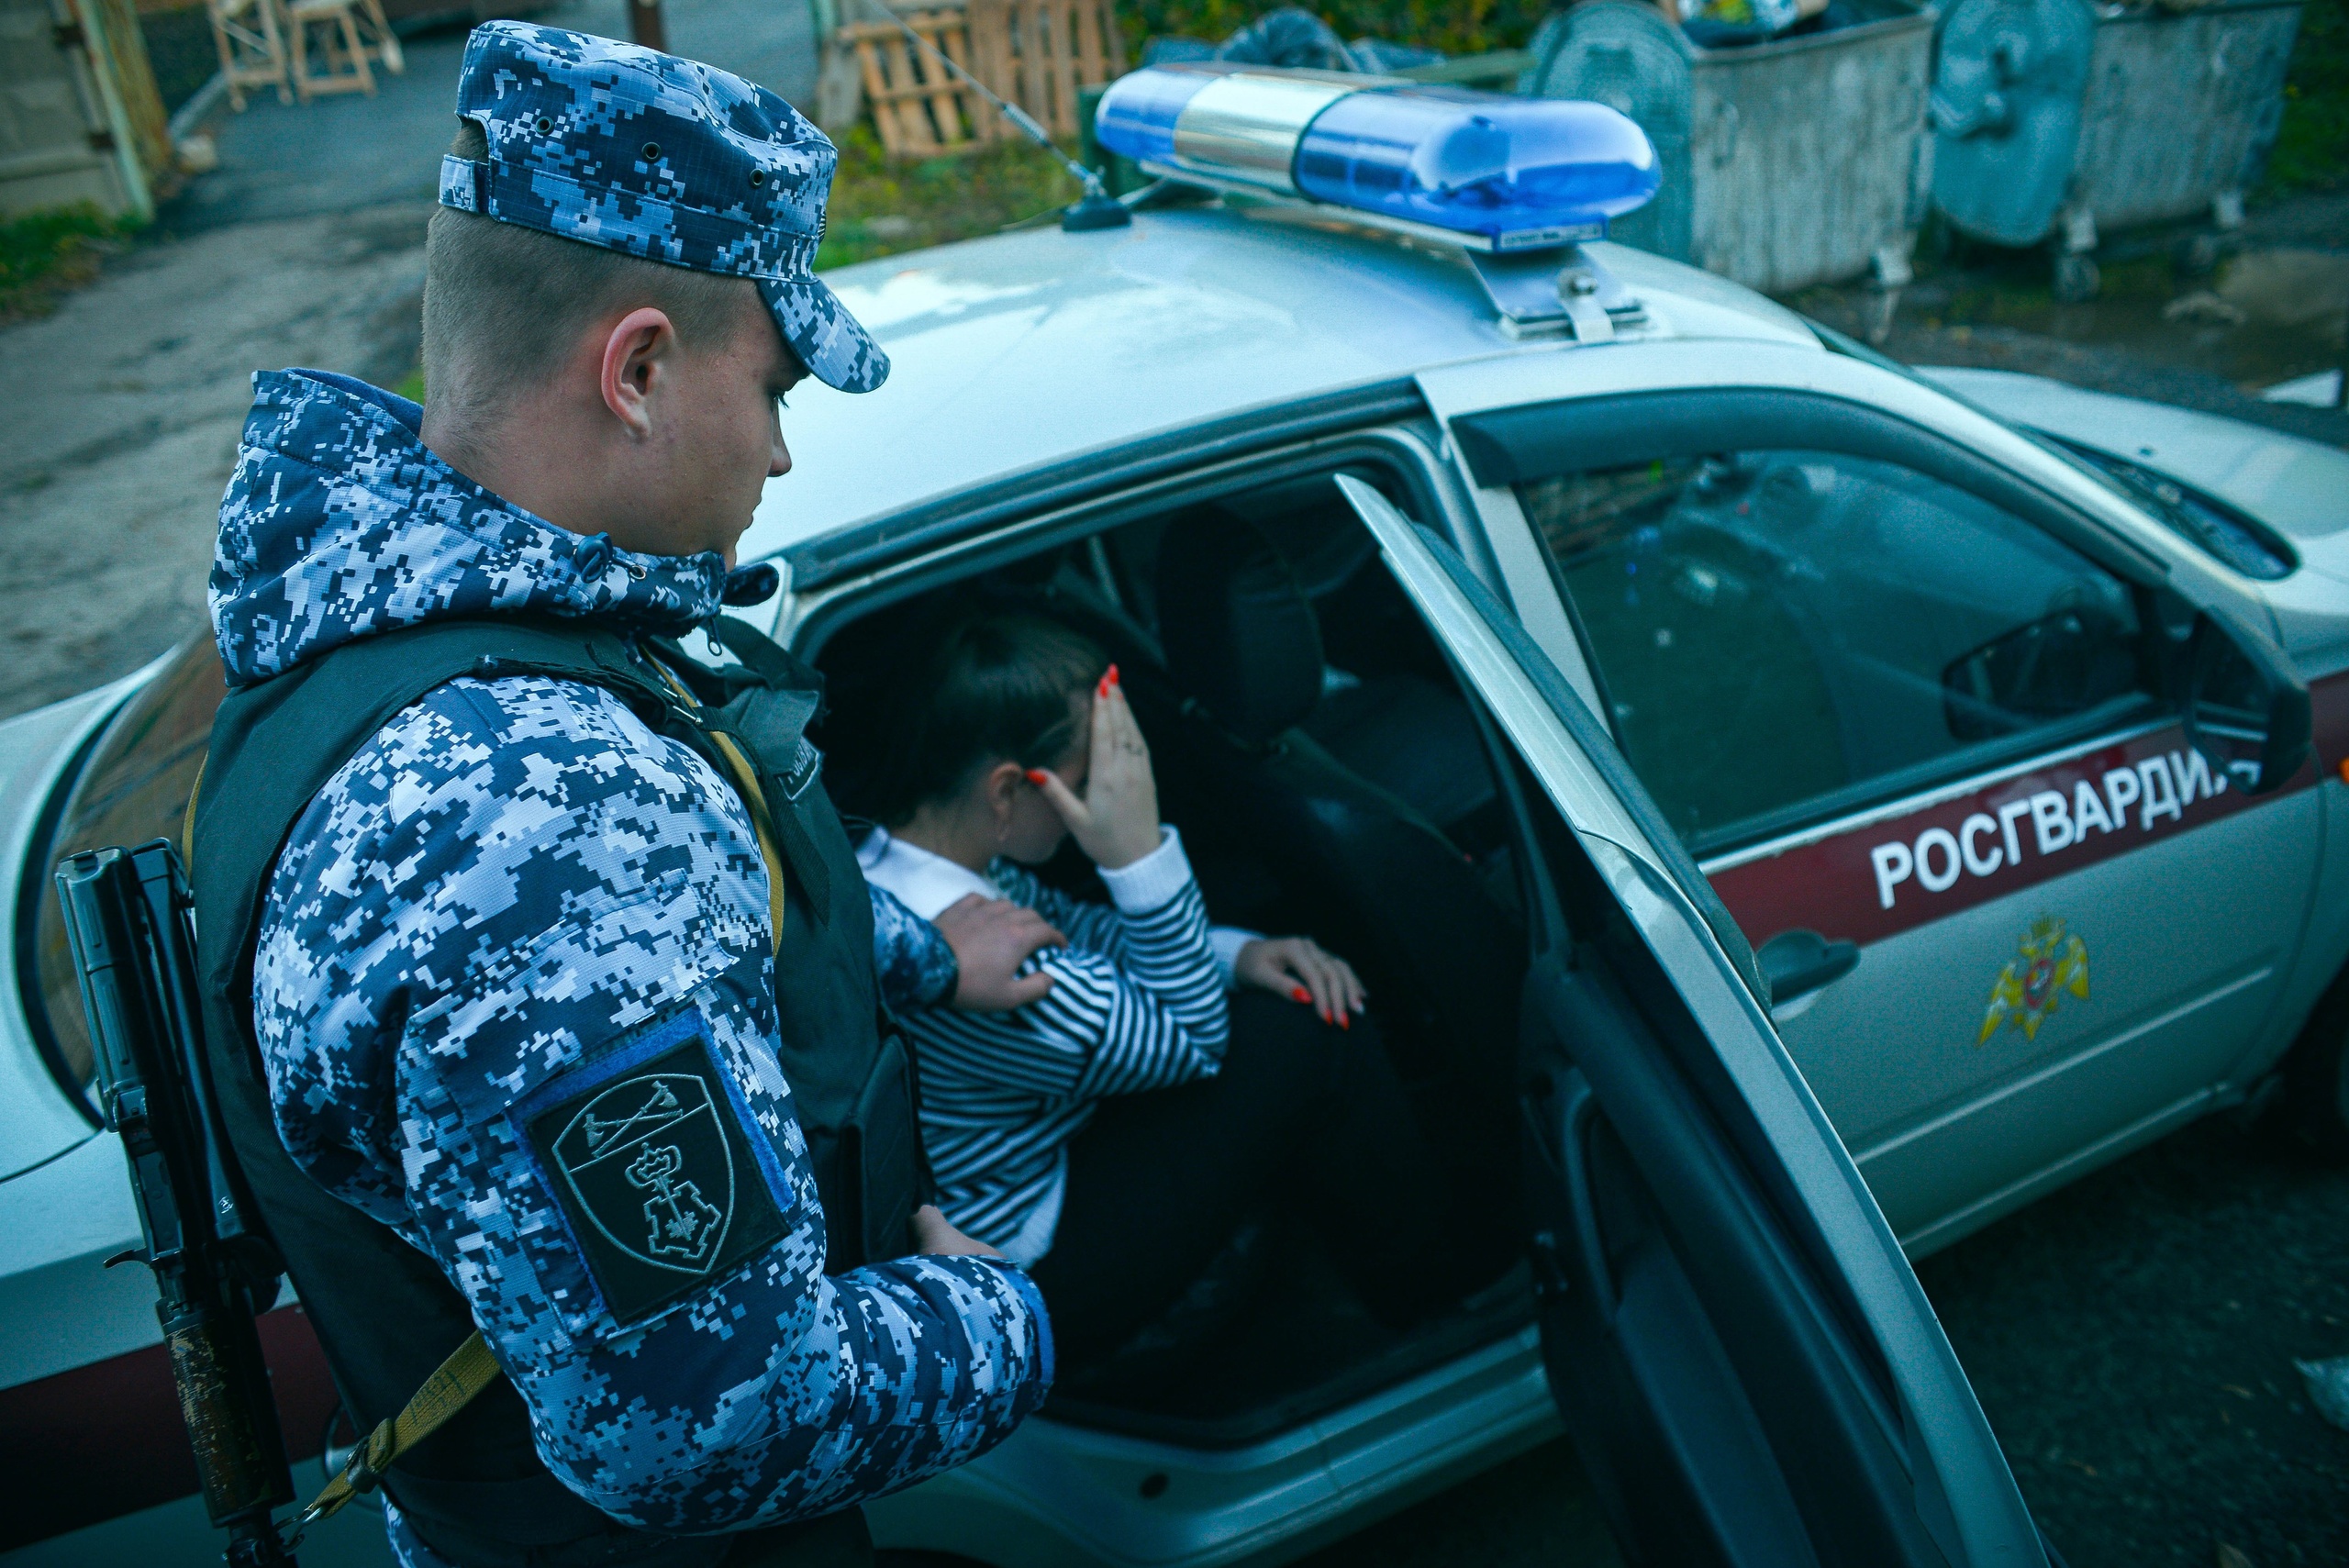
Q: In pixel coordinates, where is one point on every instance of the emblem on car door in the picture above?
(2048, 962)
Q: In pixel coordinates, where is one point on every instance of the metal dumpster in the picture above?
(1787, 163)
(2059, 117)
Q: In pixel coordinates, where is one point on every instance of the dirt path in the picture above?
(123, 409)
(118, 424)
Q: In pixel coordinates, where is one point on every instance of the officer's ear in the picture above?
(639, 354)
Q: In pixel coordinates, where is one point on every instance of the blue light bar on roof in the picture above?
(1497, 171)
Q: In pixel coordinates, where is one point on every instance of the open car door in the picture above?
(1748, 1367)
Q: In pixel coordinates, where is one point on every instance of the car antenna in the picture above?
(1098, 208)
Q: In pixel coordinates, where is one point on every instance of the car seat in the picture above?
(1388, 709)
(1372, 877)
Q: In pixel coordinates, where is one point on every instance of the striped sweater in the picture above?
(1137, 1003)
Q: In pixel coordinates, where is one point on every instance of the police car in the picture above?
(1873, 799)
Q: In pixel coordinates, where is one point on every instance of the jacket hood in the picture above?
(340, 523)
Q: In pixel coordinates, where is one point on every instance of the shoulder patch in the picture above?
(662, 1177)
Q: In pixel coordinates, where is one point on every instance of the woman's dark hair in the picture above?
(979, 687)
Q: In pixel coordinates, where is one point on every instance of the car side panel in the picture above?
(2054, 993)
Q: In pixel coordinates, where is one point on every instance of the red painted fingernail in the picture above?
(1036, 777)
(1345, 1021)
(1112, 676)
(1300, 995)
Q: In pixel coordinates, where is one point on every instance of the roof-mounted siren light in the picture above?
(1517, 183)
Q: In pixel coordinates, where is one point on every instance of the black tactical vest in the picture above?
(476, 1490)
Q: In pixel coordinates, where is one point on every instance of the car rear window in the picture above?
(134, 788)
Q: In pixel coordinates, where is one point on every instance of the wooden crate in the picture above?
(1037, 53)
(919, 109)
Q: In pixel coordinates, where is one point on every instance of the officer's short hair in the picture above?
(507, 303)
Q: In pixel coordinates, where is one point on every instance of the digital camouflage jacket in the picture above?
(518, 877)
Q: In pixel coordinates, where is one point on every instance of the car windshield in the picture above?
(2212, 527)
(2203, 521)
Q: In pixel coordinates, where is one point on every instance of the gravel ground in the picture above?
(2131, 1339)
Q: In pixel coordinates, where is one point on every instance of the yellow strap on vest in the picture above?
(469, 1369)
(187, 823)
(746, 780)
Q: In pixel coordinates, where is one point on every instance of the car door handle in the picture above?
(1797, 963)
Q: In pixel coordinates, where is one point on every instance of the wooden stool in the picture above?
(252, 48)
(349, 31)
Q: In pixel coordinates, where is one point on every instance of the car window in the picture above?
(1779, 633)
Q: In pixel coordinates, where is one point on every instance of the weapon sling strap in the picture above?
(470, 1368)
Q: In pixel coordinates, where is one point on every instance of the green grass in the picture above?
(2312, 145)
(879, 207)
(1456, 27)
(44, 253)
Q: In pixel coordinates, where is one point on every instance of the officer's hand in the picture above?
(991, 939)
(1114, 822)
(935, 1234)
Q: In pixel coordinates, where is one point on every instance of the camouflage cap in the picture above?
(667, 158)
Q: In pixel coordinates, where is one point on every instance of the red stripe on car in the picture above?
(1892, 873)
(84, 1446)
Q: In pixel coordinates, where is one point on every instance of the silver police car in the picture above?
(1872, 799)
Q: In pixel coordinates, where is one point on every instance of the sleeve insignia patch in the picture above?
(2048, 962)
(662, 1177)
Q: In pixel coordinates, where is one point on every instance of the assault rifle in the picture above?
(128, 914)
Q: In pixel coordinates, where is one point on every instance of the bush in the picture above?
(2313, 146)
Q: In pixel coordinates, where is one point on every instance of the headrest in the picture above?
(1241, 637)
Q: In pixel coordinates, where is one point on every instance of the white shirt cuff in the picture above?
(1227, 941)
(1152, 882)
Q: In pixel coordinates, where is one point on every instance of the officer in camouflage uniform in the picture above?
(523, 982)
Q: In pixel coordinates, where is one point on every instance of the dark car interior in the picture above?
(1329, 777)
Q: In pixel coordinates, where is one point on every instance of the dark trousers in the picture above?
(1302, 1116)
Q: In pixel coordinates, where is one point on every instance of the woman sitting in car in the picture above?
(1113, 1135)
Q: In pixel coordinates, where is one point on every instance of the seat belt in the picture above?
(470, 1368)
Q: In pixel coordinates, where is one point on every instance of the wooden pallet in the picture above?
(1042, 53)
(919, 109)
(1037, 53)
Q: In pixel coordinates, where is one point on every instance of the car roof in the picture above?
(1025, 350)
